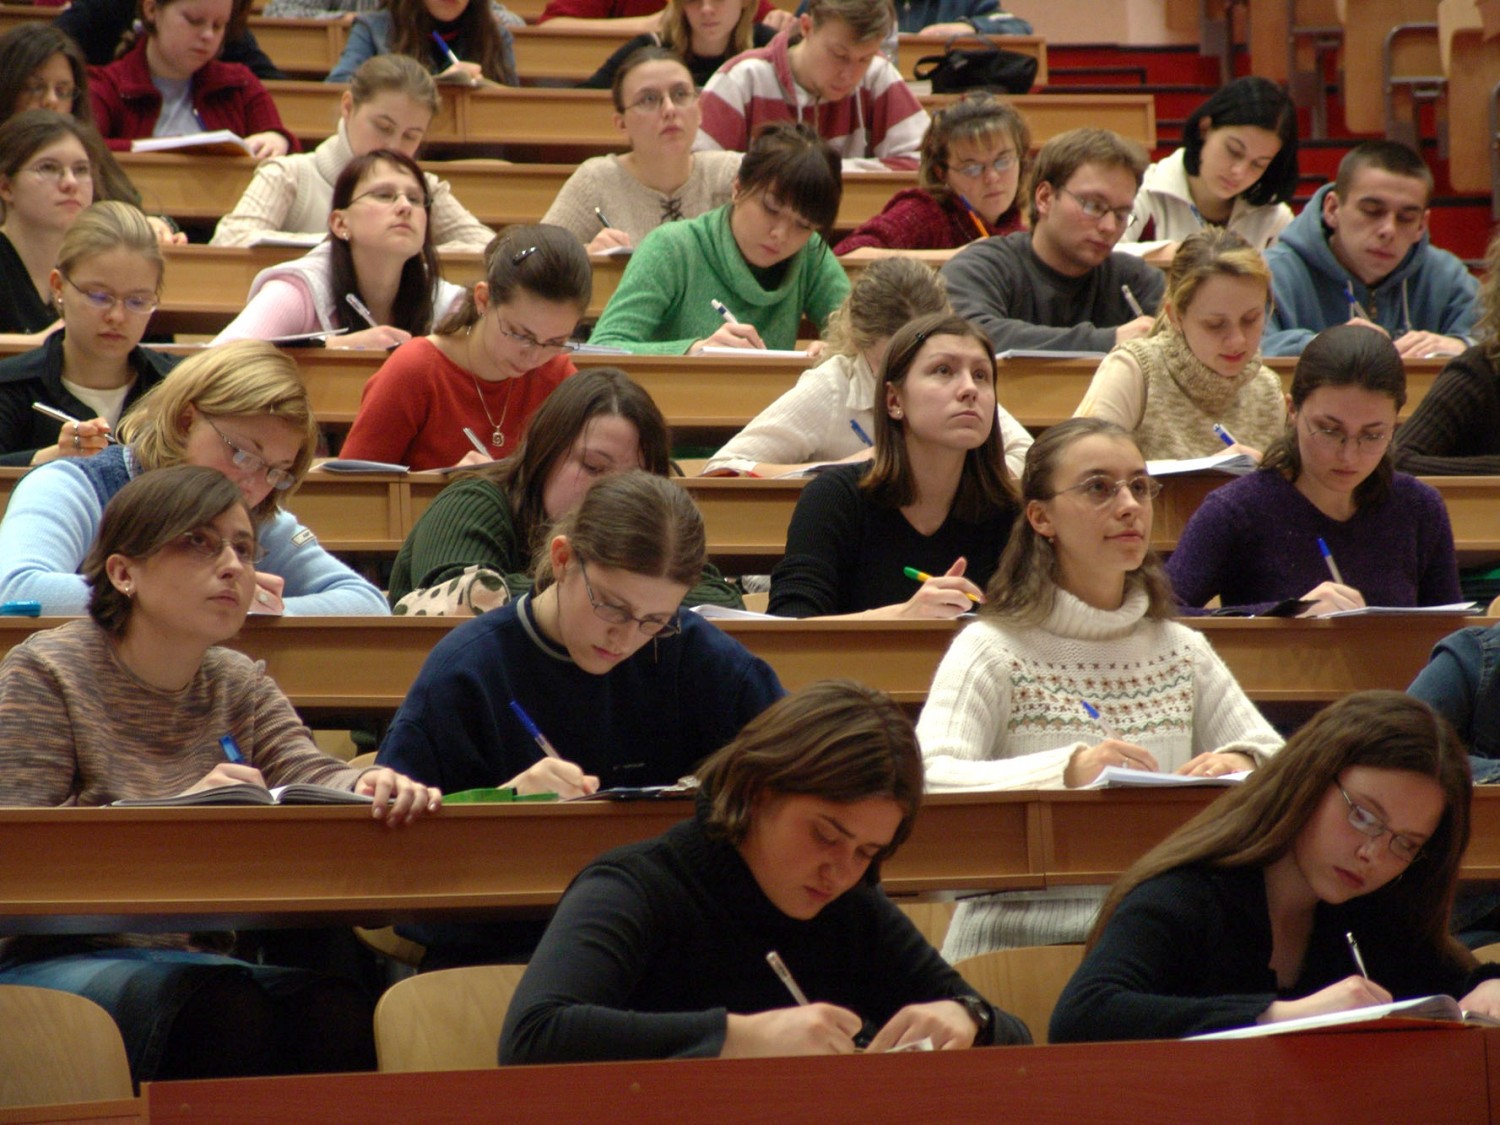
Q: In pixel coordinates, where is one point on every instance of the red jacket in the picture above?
(914, 220)
(226, 96)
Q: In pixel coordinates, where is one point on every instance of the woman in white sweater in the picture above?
(1079, 611)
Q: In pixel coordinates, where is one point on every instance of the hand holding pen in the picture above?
(457, 66)
(941, 596)
(235, 769)
(1357, 991)
(732, 334)
(806, 1029)
(377, 335)
(1087, 762)
(1331, 597)
(554, 773)
(609, 236)
(76, 438)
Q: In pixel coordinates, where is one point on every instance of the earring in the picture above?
(896, 413)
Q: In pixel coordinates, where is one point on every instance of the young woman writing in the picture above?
(702, 34)
(1327, 482)
(465, 41)
(659, 949)
(617, 200)
(935, 500)
(377, 264)
(1248, 913)
(240, 408)
(1078, 611)
(487, 366)
(132, 702)
(105, 286)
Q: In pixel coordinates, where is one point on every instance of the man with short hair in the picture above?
(1359, 254)
(826, 71)
(1061, 286)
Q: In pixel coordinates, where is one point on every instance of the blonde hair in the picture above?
(401, 73)
(106, 226)
(1204, 254)
(245, 377)
(889, 293)
(677, 34)
(867, 19)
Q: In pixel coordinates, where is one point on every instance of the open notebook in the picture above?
(1399, 1015)
(247, 794)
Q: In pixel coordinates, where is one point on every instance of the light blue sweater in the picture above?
(53, 517)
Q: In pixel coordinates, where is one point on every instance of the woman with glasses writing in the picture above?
(375, 277)
(1321, 884)
(240, 408)
(465, 393)
(1075, 664)
(105, 287)
(617, 200)
(1326, 518)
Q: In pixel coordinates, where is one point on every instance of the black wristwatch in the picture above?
(984, 1019)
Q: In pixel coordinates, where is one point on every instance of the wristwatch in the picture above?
(979, 1011)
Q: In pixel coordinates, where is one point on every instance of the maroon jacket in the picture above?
(226, 96)
(914, 220)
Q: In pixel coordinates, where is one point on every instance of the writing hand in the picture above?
(946, 1022)
(809, 1029)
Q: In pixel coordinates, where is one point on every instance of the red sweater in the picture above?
(414, 409)
(914, 220)
(226, 96)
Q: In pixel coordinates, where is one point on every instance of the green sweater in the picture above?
(662, 305)
(469, 523)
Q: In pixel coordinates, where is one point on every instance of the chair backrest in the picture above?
(448, 1019)
(57, 1047)
(1025, 982)
(1488, 953)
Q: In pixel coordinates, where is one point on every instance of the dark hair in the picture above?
(1346, 355)
(986, 483)
(799, 168)
(142, 518)
(596, 392)
(1067, 152)
(1024, 586)
(640, 57)
(544, 260)
(1256, 823)
(1387, 156)
(239, 16)
(22, 135)
(1249, 101)
(412, 29)
(977, 116)
(412, 309)
(635, 522)
(835, 739)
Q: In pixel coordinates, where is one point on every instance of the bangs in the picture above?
(805, 185)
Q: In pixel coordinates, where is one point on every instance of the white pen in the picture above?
(1135, 306)
(57, 415)
(359, 306)
(722, 310)
(475, 442)
(778, 966)
(1359, 962)
(453, 59)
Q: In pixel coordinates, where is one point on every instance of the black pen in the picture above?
(605, 223)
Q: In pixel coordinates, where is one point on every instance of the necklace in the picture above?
(497, 438)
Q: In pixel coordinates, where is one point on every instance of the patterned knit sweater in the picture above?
(634, 208)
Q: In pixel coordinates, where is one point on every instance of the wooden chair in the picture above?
(58, 1047)
(1025, 982)
(445, 1020)
(931, 918)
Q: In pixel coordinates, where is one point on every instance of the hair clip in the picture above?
(520, 256)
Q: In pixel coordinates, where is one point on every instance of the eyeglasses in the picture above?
(975, 168)
(1334, 441)
(1096, 210)
(652, 100)
(619, 615)
(1367, 823)
(279, 479)
(209, 545)
(389, 197)
(38, 91)
(1100, 491)
(102, 300)
(529, 343)
(55, 170)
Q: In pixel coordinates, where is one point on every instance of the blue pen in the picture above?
(1224, 435)
(859, 432)
(1093, 713)
(20, 609)
(442, 45)
(1333, 567)
(1355, 308)
(232, 750)
(531, 728)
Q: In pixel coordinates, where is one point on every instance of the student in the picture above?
(944, 18)
(1459, 683)
(627, 689)
(973, 157)
(760, 256)
(1059, 286)
(661, 179)
(1200, 367)
(936, 497)
(659, 949)
(815, 422)
(1328, 480)
(41, 68)
(170, 83)
(98, 25)
(389, 104)
(487, 366)
(1237, 168)
(636, 17)
(487, 526)
(828, 62)
(1455, 429)
(1359, 253)
(472, 31)
(240, 408)
(1079, 610)
(703, 34)
(131, 702)
(46, 181)
(106, 285)
(379, 253)
(1249, 913)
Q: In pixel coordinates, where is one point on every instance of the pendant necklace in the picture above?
(497, 437)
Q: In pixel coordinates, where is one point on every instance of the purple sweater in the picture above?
(1255, 542)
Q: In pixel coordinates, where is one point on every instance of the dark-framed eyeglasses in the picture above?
(279, 479)
(652, 625)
